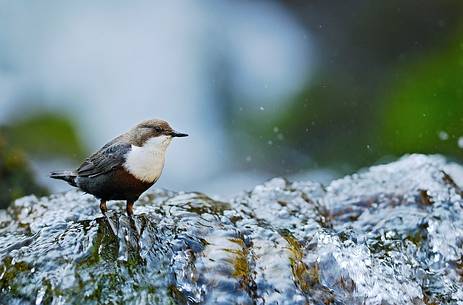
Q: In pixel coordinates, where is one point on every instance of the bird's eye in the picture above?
(157, 128)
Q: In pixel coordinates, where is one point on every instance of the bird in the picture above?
(126, 166)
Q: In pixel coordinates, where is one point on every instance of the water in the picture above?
(390, 235)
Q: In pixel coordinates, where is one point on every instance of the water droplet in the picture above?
(270, 142)
(443, 135)
(276, 129)
(460, 142)
(248, 159)
(261, 108)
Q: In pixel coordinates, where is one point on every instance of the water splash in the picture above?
(390, 235)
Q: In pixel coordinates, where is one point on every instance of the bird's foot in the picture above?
(129, 209)
(103, 207)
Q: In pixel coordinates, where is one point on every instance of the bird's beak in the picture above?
(178, 134)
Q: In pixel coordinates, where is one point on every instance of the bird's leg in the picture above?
(103, 207)
(129, 208)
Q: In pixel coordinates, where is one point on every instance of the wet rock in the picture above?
(392, 234)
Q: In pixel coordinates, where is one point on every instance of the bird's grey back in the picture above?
(110, 156)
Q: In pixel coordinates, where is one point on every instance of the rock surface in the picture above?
(392, 234)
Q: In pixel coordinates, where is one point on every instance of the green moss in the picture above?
(17, 179)
(305, 277)
(42, 135)
(45, 135)
(240, 262)
(104, 241)
(9, 272)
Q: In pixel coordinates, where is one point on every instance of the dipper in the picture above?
(126, 166)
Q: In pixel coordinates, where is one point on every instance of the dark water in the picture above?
(390, 235)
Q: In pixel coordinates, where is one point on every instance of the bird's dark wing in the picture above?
(103, 161)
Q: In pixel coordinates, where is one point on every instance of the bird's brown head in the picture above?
(150, 129)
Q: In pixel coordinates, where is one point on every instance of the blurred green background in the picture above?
(370, 81)
(388, 81)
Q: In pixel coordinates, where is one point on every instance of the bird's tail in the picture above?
(68, 176)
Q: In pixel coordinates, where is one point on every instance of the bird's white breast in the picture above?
(146, 162)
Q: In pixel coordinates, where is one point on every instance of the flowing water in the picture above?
(392, 234)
